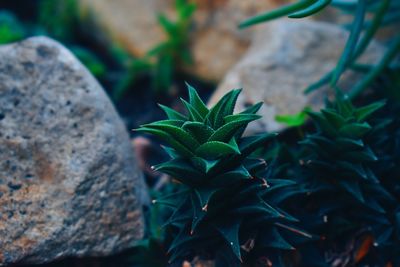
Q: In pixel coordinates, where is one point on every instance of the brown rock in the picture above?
(217, 43)
(285, 57)
(69, 184)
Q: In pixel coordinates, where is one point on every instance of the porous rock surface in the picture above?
(69, 184)
(285, 57)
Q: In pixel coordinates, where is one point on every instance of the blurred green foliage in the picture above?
(59, 18)
(162, 61)
(90, 60)
(293, 120)
(11, 29)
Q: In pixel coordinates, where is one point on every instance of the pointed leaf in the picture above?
(322, 123)
(227, 131)
(252, 109)
(249, 144)
(198, 130)
(353, 188)
(361, 155)
(172, 114)
(194, 115)
(181, 170)
(170, 151)
(231, 177)
(355, 130)
(179, 147)
(222, 108)
(271, 238)
(177, 133)
(202, 164)
(366, 111)
(348, 143)
(196, 101)
(230, 233)
(215, 149)
(198, 212)
(333, 117)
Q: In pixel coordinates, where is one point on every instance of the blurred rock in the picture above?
(69, 181)
(217, 43)
(285, 57)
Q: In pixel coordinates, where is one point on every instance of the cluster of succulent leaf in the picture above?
(221, 207)
(339, 185)
(368, 18)
(385, 141)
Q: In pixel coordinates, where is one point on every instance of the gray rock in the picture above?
(69, 184)
(285, 57)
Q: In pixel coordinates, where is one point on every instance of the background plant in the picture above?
(163, 60)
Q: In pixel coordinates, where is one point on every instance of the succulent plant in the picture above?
(221, 209)
(343, 193)
(385, 141)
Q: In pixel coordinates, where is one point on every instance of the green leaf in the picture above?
(180, 135)
(230, 233)
(181, 170)
(252, 109)
(353, 188)
(231, 177)
(172, 114)
(362, 155)
(176, 123)
(215, 149)
(279, 12)
(333, 117)
(271, 238)
(227, 131)
(254, 165)
(351, 43)
(366, 111)
(224, 256)
(322, 123)
(198, 212)
(167, 25)
(182, 238)
(355, 130)
(196, 101)
(311, 9)
(204, 194)
(221, 109)
(193, 113)
(198, 130)
(318, 84)
(257, 210)
(231, 102)
(249, 144)
(344, 105)
(203, 164)
(293, 120)
(170, 151)
(348, 143)
(179, 147)
(354, 169)
(241, 117)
